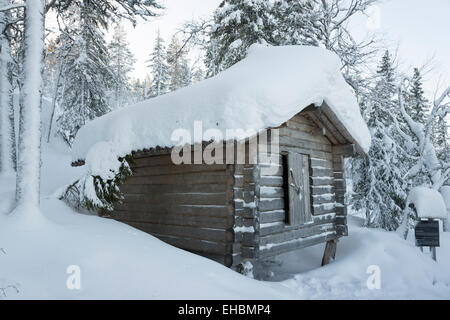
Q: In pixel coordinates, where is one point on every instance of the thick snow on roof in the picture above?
(264, 90)
(428, 203)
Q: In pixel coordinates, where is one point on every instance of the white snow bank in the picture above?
(428, 203)
(404, 271)
(115, 262)
(119, 262)
(264, 90)
(445, 192)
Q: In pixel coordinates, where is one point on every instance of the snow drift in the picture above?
(264, 90)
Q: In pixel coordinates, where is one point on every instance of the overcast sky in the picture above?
(420, 29)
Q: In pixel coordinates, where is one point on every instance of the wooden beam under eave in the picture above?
(346, 150)
(332, 127)
(311, 115)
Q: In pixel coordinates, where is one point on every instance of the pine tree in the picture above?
(121, 64)
(379, 188)
(159, 68)
(296, 23)
(441, 138)
(237, 25)
(416, 103)
(87, 75)
(178, 66)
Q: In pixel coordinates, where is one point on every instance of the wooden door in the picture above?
(299, 189)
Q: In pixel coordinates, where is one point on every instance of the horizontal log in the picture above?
(271, 170)
(324, 198)
(280, 237)
(317, 162)
(269, 251)
(273, 227)
(175, 219)
(281, 228)
(338, 162)
(271, 192)
(341, 210)
(248, 252)
(305, 134)
(320, 181)
(301, 120)
(338, 175)
(176, 169)
(323, 208)
(303, 144)
(341, 220)
(214, 235)
(322, 189)
(270, 204)
(271, 181)
(321, 172)
(347, 150)
(172, 188)
(188, 178)
(179, 198)
(339, 184)
(197, 210)
(272, 216)
(310, 152)
(200, 246)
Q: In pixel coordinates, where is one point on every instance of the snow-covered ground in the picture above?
(117, 261)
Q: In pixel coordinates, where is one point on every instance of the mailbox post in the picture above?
(427, 235)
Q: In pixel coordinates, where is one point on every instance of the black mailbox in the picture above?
(427, 234)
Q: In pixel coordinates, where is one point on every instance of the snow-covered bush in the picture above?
(99, 187)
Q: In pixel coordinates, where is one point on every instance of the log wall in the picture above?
(230, 212)
(273, 234)
(188, 206)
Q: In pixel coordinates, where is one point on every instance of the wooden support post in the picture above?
(330, 252)
(433, 253)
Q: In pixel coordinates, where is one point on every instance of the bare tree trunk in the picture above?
(29, 148)
(55, 96)
(7, 142)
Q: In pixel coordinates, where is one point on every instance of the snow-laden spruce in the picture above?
(264, 90)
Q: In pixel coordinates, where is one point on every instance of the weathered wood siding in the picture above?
(188, 206)
(232, 212)
(327, 188)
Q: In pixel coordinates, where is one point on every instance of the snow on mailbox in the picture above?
(429, 206)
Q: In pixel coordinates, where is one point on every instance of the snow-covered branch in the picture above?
(438, 171)
(12, 7)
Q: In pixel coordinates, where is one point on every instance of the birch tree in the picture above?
(28, 160)
(159, 67)
(7, 137)
(121, 64)
(437, 170)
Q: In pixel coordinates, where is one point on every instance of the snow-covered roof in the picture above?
(428, 203)
(267, 88)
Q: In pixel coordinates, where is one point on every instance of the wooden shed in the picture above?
(231, 212)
